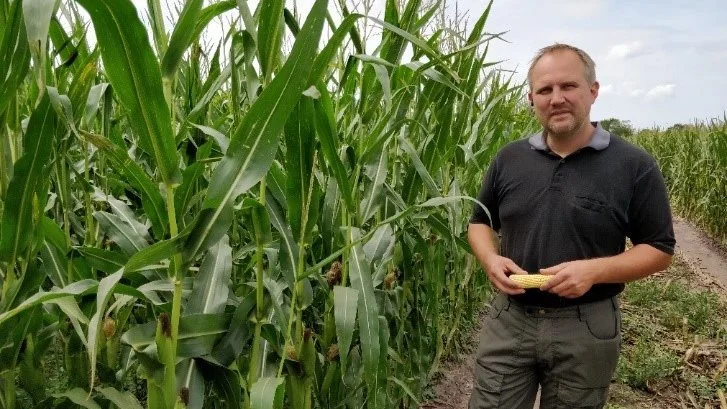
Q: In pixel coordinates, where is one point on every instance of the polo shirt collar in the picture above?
(599, 141)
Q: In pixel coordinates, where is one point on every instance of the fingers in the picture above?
(553, 282)
(554, 269)
(514, 268)
(504, 284)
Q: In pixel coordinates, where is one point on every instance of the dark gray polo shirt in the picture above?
(549, 209)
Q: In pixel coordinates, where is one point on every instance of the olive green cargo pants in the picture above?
(570, 352)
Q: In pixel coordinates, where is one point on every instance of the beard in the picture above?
(564, 125)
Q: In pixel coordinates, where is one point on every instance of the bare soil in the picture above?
(707, 259)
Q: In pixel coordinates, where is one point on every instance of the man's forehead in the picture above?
(562, 66)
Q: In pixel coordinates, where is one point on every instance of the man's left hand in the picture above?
(571, 279)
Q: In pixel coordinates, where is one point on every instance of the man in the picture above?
(563, 202)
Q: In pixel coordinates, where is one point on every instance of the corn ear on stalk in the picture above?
(530, 280)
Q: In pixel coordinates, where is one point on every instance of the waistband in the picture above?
(572, 311)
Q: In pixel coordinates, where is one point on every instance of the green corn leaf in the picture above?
(93, 101)
(380, 397)
(329, 224)
(214, 86)
(79, 397)
(345, 303)
(182, 37)
(326, 130)
(158, 251)
(300, 149)
(73, 289)
(125, 400)
(37, 14)
(421, 169)
(291, 22)
(129, 240)
(30, 173)
(380, 245)
(424, 19)
(53, 234)
(211, 12)
(270, 34)
(211, 285)
(255, 142)
(376, 171)
(240, 331)
(107, 261)
(414, 40)
(105, 291)
(348, 25)
(288, 245)
(151, 198)
(368, 310)
(54, 265)
(190, 377)
(14, 55)
(83, 80)
(134, 72)
(70, 307)
(252, 80)
(184, 194)
(124, 212)
(405, 388)
(267, 393)
(226, 382)
(197, 334)
(218, 136)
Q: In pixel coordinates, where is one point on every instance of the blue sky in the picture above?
(658, 62)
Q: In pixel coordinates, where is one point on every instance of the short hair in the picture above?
(588, 64)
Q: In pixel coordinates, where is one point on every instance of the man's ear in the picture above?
(594, 89)
(530, 99)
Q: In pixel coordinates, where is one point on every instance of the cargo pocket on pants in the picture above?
(487, 389)
(574, 397)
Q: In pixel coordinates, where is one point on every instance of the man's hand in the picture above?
(498, 269)
(571, 279)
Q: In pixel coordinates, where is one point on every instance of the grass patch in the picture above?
(674, 342)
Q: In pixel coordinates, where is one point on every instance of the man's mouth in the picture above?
(559, 113)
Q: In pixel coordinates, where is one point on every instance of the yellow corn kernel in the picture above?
(530, 280)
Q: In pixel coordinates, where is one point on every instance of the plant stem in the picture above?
(256, 358)
(176, 274)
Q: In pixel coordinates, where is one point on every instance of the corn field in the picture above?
(275, 220)
(693, 159)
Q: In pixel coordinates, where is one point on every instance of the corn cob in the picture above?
(530, 280)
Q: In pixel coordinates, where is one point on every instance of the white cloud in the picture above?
(636, 93)
(661, 90)
(607, 90)
(627, 50)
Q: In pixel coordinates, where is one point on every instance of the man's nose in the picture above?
(557, 97)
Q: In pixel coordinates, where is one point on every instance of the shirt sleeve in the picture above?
(650, 218)
(488, 198)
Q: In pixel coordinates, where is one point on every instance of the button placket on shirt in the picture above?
(556, 180)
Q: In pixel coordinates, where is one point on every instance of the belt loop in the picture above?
(578, 310)
(613, 303)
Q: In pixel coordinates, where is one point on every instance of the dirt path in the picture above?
(705, 257)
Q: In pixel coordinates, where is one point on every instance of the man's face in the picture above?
(560, 93)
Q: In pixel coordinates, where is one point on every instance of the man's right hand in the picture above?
(483, 241)
(498, 269)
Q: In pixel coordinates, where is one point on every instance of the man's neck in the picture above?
(565, 144)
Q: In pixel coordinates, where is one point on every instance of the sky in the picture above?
(658, 62)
